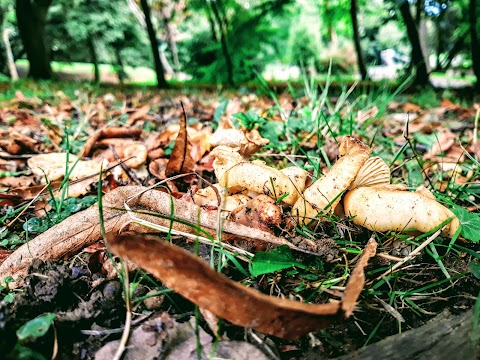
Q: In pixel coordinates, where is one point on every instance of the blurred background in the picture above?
(233, 42)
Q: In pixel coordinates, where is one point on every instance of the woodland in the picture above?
(239, 179)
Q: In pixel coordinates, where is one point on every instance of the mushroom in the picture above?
(394, 208)
(323, 195)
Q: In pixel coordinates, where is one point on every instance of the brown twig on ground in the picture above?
(83, 229)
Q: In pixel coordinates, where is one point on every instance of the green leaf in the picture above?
(470, 223)
(271, 131)
(475, 268)
(269, 262)
(9, 298)
(36, 327)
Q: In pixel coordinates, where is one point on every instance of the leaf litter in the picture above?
(249, 224)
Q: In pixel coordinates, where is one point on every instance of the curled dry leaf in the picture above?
(112, 132)
(375, 171)
(324, 194)
(195, 280)
(393, 208)
(181, 161)
(248, 142)
(444, 142)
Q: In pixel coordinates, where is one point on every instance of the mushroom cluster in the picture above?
(361, 181)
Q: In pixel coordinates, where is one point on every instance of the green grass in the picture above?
(139, 75)
(326, 118)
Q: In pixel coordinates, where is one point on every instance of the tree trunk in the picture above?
(170, 35)
(423, 36)
(472, 12)
(454, 50)
(94, 60)
(356, 39)
(223, 42)
(418, 61)
(161, 82)
(31, 19)
(212, 23)
(12, 69)
(122, 75)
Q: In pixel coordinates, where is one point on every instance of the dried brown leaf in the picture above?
(138, 114)
(195, 280)
(181, 161)
(357, 279)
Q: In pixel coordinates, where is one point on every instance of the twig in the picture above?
(124, 166)
(128, 315)
(411, 255)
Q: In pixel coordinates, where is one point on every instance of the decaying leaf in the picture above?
(195, 280)
(181, 161)
(357, 279)
(324, 194)
(444, 141)
(52, 166)
(111, 132)
(136, 155)
(394, 208)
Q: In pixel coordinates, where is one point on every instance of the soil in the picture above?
(84, 299)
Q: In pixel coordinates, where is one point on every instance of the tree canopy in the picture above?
(230, 41)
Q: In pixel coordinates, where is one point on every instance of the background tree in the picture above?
(356, 39)
(161, 82)
(418, 61)
(31, 18)
(472, 11)
(97, 31)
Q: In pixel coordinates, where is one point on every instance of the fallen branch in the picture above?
(83, 229)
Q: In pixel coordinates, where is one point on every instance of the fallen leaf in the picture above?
(181, 161)
(138, 114)
(444, 141)
(53, 166)
(357, 279)
(198, 282)
(111, 132)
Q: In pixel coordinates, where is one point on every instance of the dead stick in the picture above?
(83, 229)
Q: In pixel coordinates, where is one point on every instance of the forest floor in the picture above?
(63, 291)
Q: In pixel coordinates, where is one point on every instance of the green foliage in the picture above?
(470, 223)
(8, 295)
(271, 130)
(251, 34)
(474, 267)
(109, 25)
(68, 207)
(36, 327)
(269, 262)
